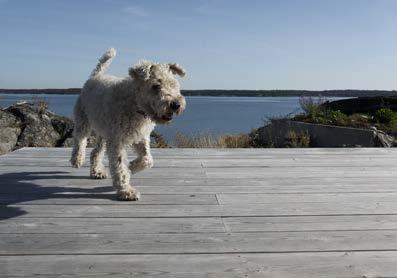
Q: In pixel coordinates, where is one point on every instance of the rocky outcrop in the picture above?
(10, 129)
(362, 104)
(32, 125)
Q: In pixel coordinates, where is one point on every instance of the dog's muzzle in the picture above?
(175, 105)
(171, 108)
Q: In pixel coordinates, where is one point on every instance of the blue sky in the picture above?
(223, 44)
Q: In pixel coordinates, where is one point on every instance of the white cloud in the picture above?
(135, 11)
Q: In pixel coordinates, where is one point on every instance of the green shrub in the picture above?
(385, 116)
(328, 117)
(314, 112)
(337, 117)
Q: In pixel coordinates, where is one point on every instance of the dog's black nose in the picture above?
(175, 105)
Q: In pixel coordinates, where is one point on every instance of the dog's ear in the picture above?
(177, 69)
(141, 70)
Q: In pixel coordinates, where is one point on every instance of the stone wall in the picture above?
(276, 135)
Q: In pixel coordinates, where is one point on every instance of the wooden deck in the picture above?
(204, 213)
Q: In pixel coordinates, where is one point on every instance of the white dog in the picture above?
(121, 112)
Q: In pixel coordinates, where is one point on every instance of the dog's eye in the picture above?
(156, 87)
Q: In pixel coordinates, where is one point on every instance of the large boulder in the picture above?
(32, 125)
(64, 127)
(10, 129)
(37, 129)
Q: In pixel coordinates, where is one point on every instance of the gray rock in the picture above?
(382, 139)
(64, 127)
(37, 129)
(10, 129)
(68, 143)
(32, 125)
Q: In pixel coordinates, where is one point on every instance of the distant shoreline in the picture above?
(231, 93)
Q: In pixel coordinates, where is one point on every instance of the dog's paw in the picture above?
(128, 195)
(98, 174)
(140, 164)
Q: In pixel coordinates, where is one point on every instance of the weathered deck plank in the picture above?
(203, 213)
(197, 243)
(197, 199)
(291, 265)
(142, 211)
(115, 225)
(111, 225)
(106, 198)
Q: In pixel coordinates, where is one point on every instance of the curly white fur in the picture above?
(104, 62)
(121, 112)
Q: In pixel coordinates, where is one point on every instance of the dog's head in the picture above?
(159, 91)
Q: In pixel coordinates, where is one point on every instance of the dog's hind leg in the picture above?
(144, 159)
(80, 133)
(120, 174)
(97, 169)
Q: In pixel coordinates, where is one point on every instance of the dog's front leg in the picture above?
(144, 159)
(119, 172)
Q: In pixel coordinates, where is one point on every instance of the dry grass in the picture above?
(158, 140)
(212, 141)
(40, 104)
(298, 139)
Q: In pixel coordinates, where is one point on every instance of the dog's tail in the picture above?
(104, 62)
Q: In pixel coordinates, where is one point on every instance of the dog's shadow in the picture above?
(23, 187)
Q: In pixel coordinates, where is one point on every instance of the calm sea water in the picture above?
(214, 115)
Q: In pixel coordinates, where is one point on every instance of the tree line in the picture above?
(239, 93)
